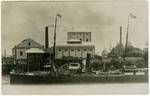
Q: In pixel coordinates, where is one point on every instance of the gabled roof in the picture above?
(34, 50)
(29, 43)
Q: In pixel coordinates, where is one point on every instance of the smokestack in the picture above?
(46, 38)
(4, 52)
(120, 34)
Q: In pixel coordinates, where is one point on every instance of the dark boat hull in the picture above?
(35, 79)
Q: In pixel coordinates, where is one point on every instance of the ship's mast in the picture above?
(54, 47)
(126, 44)
(132, 16)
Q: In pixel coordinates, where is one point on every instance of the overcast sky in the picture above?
(22, 20)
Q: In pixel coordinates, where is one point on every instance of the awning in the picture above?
(34, 50)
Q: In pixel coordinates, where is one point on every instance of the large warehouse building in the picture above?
(78, 45)
(74, 50)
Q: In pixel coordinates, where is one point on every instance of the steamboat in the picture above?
(43, 67)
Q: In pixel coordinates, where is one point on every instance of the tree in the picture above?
(104, 53)
(130, 51)
(117, 51)
(134, 52)
(145, 56)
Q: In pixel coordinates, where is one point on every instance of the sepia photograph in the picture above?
(74, 47)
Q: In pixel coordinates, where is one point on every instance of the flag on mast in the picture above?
(132, 16)
(58, 15)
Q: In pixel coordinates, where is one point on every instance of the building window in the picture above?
(59, 50)
(80, 39)
(87, 40)
(78, 49)
(21, 53)
(29, 43)
(72, 50)
(90, 49)
(65, 49)
(84, 49)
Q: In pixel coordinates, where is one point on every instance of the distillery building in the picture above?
(78, 45)
(19, 51)
(74, 50)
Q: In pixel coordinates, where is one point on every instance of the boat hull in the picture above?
(35, 79)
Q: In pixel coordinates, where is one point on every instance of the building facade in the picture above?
(19, 51)
(78, 46)
(83, 36)
(74, 50)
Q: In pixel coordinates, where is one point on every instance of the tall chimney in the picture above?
(4, 52)
(46, 38)
(120, 34)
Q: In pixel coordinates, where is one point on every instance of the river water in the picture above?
(72, 89)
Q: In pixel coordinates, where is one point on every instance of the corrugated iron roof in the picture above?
(25, 43)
